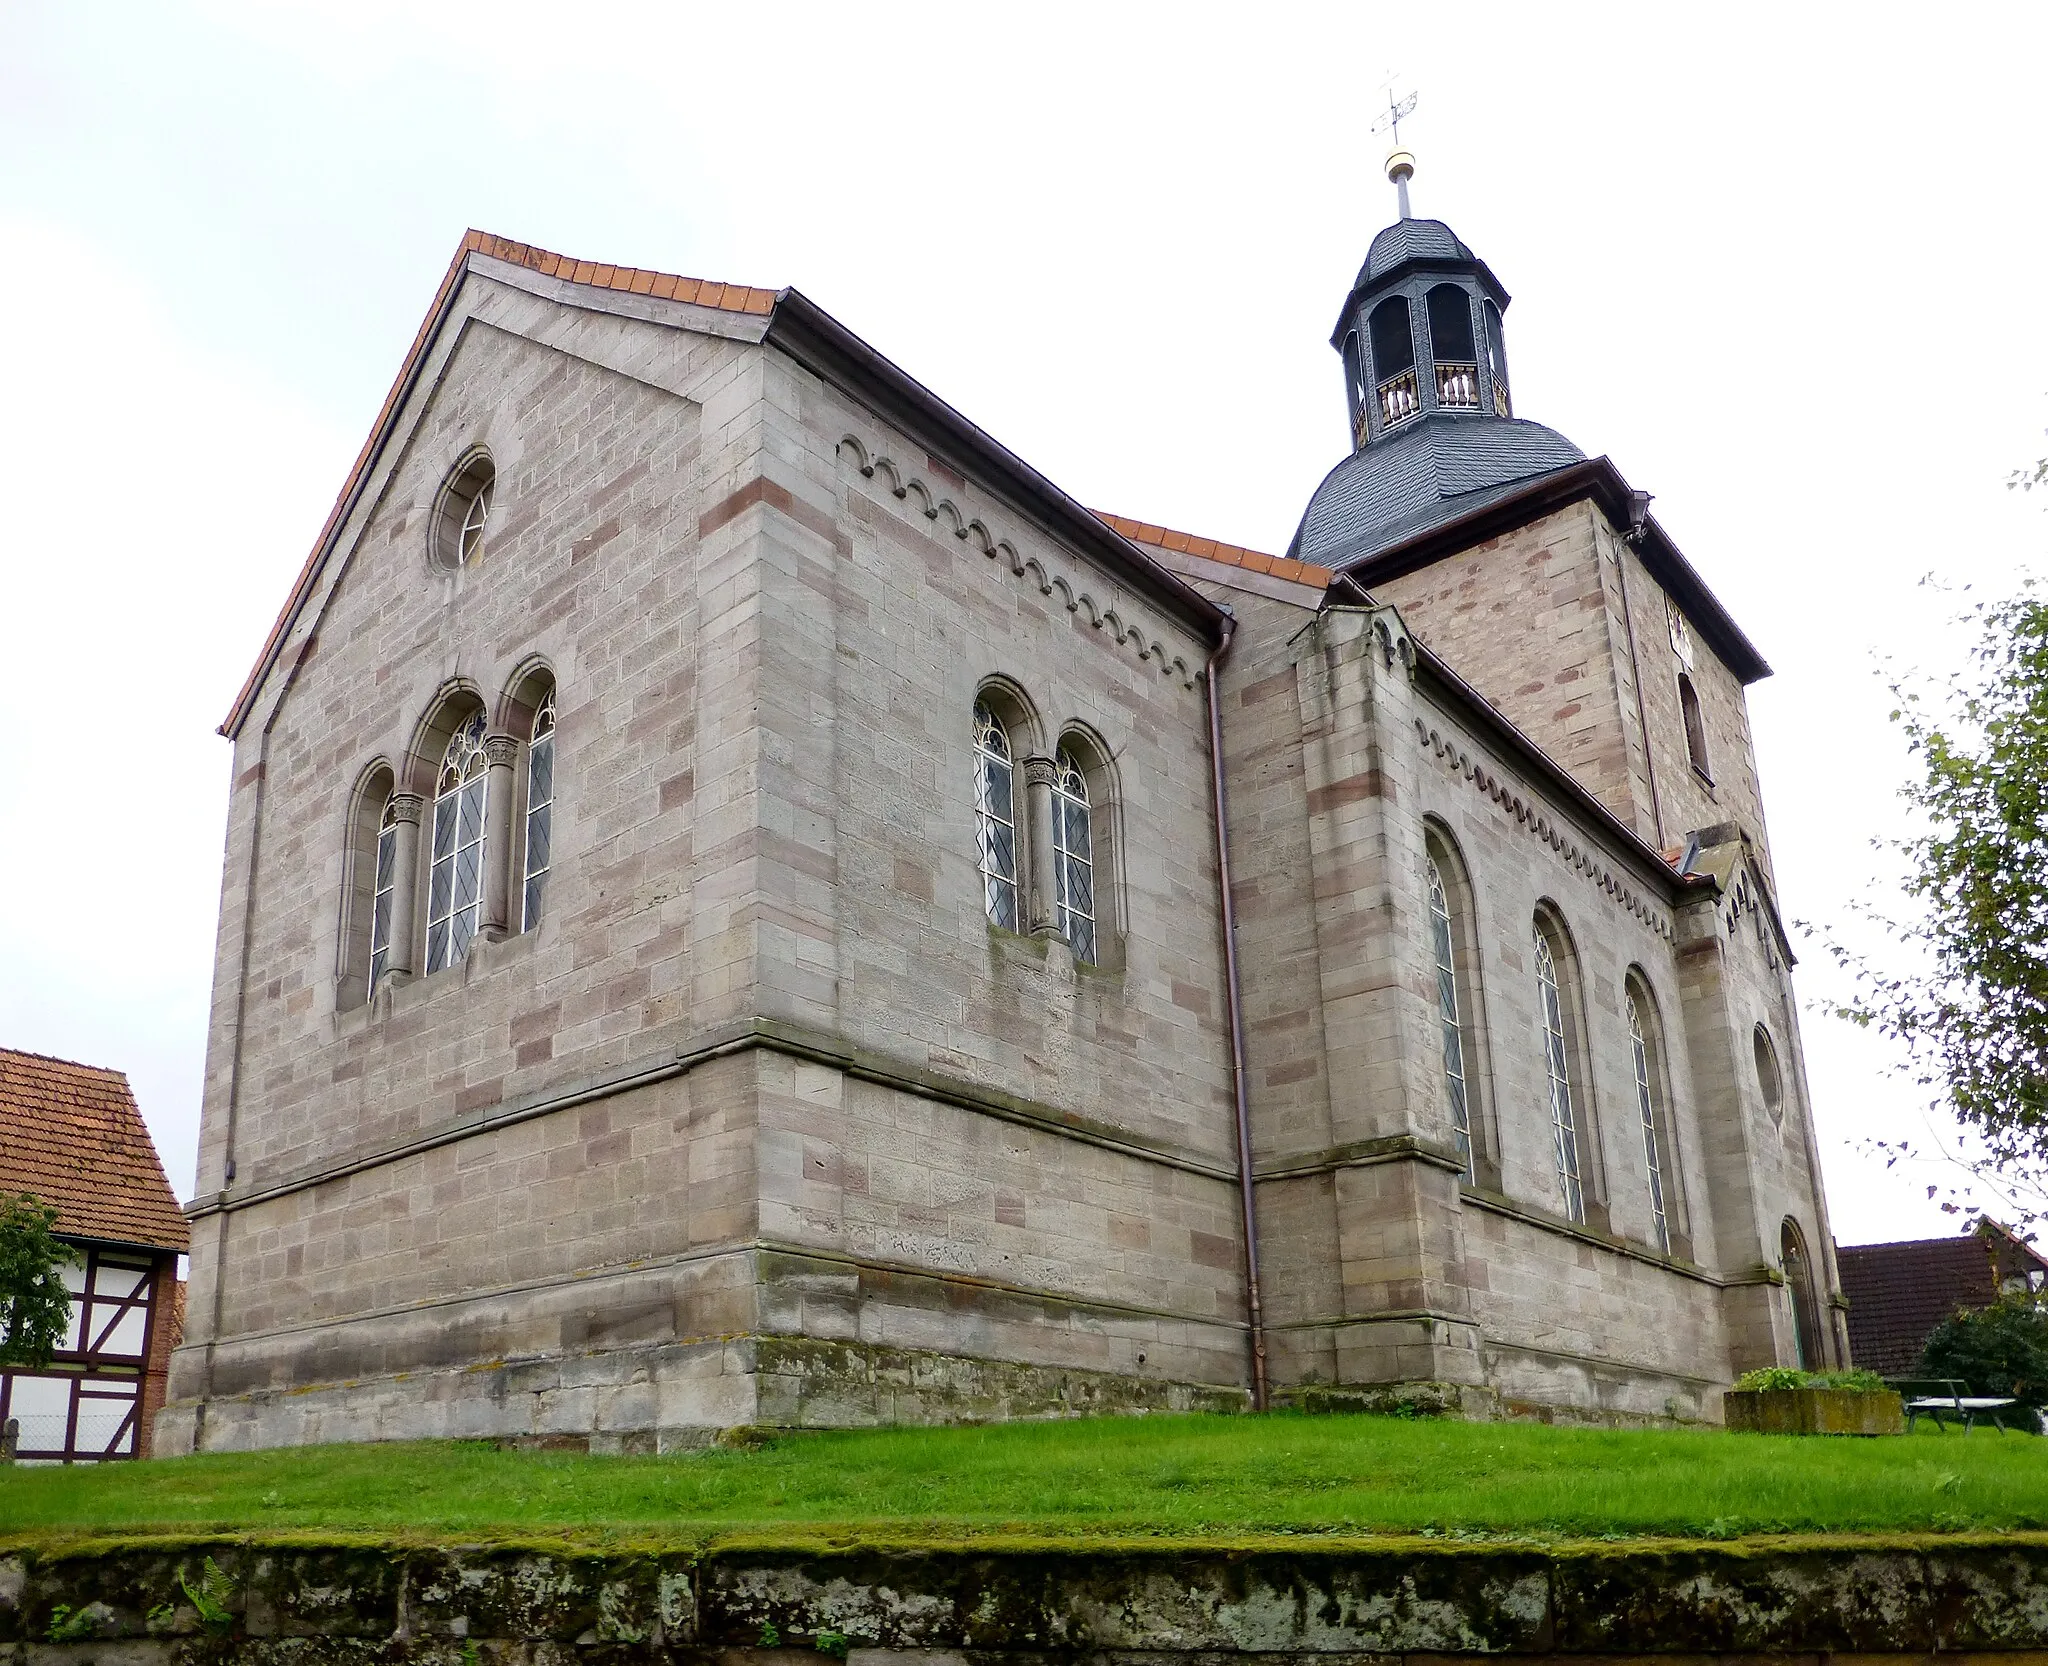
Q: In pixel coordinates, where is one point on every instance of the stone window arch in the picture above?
(528, 714)
(1567, 1078)
(1453, 947)
(1770, 1080)
(538, 844)
(1073, 856)
(380, 821)
(1806, 1331)
(1497, 360)
(1084, 891)
(1652, 1077)
(1695, 727)
(459, 844)
(1356, 386)
(1452, 348)
(462, 512)
(1003, 728)
(1393, 360)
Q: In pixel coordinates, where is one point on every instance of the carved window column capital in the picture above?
(501, 751)
(405, 811)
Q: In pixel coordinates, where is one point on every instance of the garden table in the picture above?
(1968, 1407)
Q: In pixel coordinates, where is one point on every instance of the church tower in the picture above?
(1537, 571)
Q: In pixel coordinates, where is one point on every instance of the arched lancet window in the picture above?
(1557, 1068)
(1497, 360)
(1799, 1286)
(382, 895)
(1449, 1014)
(1650, 1109)
(1355, 385)
(455, 882)
(995, 817)
(1695, 727)
(1393, 360)
(540, 810)
(1451, 345)
(369, 911)
(1073, 858)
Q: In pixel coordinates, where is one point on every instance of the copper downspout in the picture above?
(1254, 1307)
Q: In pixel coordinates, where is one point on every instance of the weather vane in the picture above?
(1398, 111)
(1400, 165)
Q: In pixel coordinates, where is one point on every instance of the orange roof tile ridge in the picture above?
(1213, 549)
(731, 298)
(70, 1064)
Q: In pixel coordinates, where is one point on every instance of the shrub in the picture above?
(1997, 1350)
(1785, 1376)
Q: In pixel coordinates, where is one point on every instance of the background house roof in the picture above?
(1898, 1293)
(72, 1135)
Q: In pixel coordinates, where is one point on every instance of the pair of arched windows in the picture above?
(492, 800)
(1066, 872)
(1559, 1039)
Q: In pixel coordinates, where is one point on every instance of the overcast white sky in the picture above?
(1783, 264)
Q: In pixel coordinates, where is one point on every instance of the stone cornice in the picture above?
(1112, 616)
(1584, 859)
(818, 341)
(794, 1041)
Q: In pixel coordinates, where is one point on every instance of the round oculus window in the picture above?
(464, 512)
(1769, 1083)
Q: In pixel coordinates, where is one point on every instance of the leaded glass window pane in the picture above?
(1073, 866)
(474, 519)
(1563, 1122)
(381, 896)
(1646, 1104)
(540, 810)
(995, 818)
(455, 883)
(1447, 1015)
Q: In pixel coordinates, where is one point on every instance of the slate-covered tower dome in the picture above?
(1433, 428)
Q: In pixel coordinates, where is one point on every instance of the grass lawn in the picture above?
(1196, 1477)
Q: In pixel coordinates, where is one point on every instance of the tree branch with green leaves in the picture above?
(1970, 1011)
(35, 1304)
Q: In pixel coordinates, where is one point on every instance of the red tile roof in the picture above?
(71, 1134)
(1898, 1293)
(667, 286)
(1209, 549)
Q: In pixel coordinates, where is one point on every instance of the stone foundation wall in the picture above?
(670, 1396)
(167, 1603)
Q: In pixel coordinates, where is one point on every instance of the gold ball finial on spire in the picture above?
(1401, 169)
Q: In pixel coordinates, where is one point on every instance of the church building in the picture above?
(745, 904)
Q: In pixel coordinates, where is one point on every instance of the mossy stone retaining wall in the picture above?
(287, 1603)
